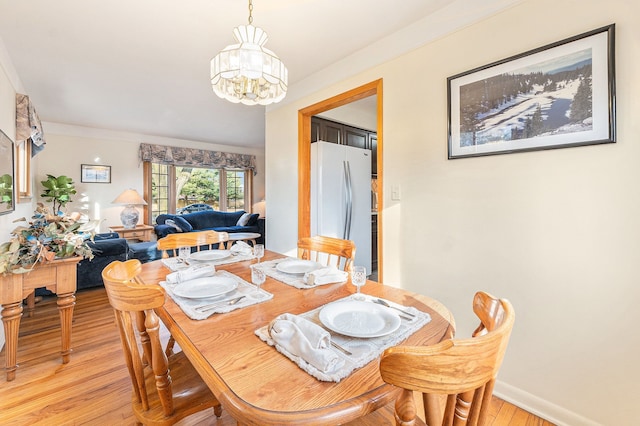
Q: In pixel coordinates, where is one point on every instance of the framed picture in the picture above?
(7, 177)
(91, 173)
(556, 96)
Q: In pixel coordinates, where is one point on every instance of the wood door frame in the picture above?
(304, 155)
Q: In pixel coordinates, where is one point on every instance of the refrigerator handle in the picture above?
(348, 200)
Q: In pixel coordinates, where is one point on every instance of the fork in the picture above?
(334, 344)
(210, 306)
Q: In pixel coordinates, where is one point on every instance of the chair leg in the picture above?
(405, 408)
(169, 350)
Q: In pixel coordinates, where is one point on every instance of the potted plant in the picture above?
(59, 190)
(49, 235)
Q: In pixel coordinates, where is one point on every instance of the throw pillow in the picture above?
(253, 219)
(172, 223)
(243, 219)
(183, 224)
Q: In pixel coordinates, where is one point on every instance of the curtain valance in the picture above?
(178, 156)
(28, 124)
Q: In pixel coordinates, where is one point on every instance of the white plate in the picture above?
(207, 255)
(205, 287)
(359, 319)
(297, 266)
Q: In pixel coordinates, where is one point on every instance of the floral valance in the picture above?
(28, 124)
(177, 156)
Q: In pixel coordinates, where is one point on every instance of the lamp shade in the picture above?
(260, 207)
(130, 197)
(130, 215)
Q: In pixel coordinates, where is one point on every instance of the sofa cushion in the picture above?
(212, 218)
(183, 224)
(105, 236)
(253, 219)
(164, 230)
(145, 251)
(243, 219)
(105, 251)
(173, 221)
(235, 228)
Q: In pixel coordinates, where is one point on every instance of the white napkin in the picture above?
(306, 340)
(326, 275)
(190, 273)
(241, 247)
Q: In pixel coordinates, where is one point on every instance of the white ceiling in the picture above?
(142, 66)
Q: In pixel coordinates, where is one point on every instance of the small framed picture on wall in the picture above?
(93, 173)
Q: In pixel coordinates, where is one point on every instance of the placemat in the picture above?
(252, 295)
(363, 350)
(293, 280)
(176, 264)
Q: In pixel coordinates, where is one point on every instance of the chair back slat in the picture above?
(328, 251)
(463, 369)
(198, 240)
(133, 303)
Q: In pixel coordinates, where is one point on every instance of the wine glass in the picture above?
(183, 254)
(258, 275)
(258, 251)
(358, 278)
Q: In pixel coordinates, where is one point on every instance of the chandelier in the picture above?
(247, 72)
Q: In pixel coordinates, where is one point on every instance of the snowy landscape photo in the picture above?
(558, 95)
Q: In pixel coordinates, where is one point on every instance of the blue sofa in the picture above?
(206, 220)
(106, 248)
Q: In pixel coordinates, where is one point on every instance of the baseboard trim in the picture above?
(540, 407)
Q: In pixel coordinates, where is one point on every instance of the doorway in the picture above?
(304, 156)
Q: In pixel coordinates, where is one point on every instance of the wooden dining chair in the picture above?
(328, 251)
(200, 240)
(462, 369)
(165, 389)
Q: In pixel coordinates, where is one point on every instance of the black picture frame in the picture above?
(556, 96)
(95, 173)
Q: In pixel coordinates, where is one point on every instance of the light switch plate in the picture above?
(395, 192)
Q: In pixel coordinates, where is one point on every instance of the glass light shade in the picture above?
(247, 72)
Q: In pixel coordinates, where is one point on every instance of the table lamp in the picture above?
(260, 207)
(129, 216)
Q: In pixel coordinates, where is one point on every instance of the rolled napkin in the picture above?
(190, 273)
(241, 247)
(306, 340)
(326, 275)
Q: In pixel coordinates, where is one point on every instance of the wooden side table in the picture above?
(58, 276)
(140, 232)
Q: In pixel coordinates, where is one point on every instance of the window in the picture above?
(184, 189)
(235, 190)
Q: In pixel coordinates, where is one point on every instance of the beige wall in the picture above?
(70, 146)
(9, 84)
(556, 232)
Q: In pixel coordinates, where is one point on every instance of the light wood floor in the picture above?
(94, 388)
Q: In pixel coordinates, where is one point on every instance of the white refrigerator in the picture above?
(341, 196)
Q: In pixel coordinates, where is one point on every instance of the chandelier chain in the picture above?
(250, 12)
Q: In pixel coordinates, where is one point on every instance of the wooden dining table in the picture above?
(255, 383)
